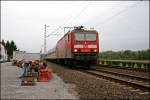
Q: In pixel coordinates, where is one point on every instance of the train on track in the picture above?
(77, 47)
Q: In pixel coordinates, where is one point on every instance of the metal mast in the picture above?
(45, 38)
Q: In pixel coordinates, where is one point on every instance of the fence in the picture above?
(138, 64)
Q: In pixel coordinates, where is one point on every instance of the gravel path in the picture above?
(11, 86)
(90, 87)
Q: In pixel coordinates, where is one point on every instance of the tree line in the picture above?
(126, 55)
(9, 46)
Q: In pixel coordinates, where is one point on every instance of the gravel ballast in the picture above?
(90, 87)
(11, 86)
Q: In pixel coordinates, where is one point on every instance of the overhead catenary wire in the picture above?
(60, 26)
(72, 15)
(54, 31)
(120, 12)
(83, 9)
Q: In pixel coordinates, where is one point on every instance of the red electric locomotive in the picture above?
(76, 47)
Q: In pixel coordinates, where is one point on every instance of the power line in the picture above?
(73, 17)
(120, 12)
(54, 31)
(112, 8)
(77, 15)
(64, 22)
(73, 13)
(84, 8)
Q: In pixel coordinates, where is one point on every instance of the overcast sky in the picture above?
(121, 24)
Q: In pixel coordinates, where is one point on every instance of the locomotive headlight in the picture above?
(75, 50)
(95, 50)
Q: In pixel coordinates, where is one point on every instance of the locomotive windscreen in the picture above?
(85, 36)
(79, 36)
(90, 37)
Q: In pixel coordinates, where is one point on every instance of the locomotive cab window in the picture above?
(90, 37)
(85, 36)
(79, 36)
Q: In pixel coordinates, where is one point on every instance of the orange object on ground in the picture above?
(32, 64)
(44, 75)
(49, 73)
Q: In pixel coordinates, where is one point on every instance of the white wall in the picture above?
(3, 53)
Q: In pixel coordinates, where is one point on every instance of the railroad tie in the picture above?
(128, 88)
(144, 93)
(135, 90)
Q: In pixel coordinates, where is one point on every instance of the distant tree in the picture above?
(126, 55)
(13, 45)
(3, 43)
(10, 47)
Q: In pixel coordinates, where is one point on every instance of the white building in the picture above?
(3, 54)
(22, 55)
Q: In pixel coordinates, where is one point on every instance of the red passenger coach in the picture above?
(76, 47)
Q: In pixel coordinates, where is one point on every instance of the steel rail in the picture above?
(125, 68)
(124, 75)
(118, 80)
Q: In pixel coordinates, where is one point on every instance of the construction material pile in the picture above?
(31, 68)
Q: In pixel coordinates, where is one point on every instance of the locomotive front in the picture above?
(85, 47)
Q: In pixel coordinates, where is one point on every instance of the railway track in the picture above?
(124, 73)
(141, 83)
(137, 82)
(125, 68)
